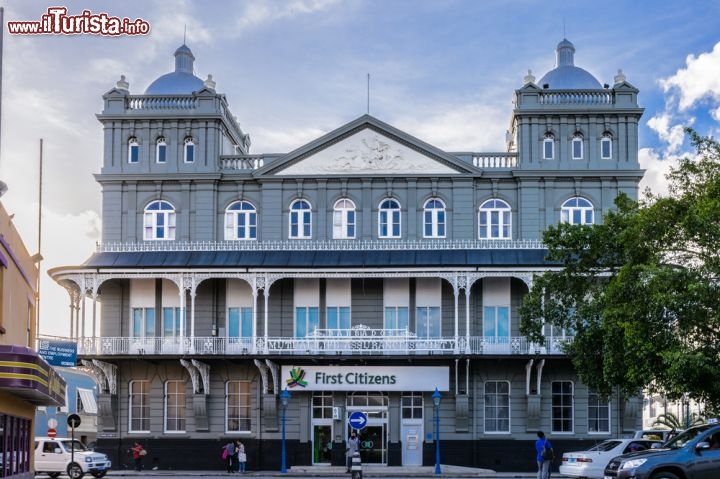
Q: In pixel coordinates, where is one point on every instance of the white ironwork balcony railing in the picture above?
(327, 245)
(378, 343)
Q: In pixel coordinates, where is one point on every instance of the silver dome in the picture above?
(566, 76)
(180, 82)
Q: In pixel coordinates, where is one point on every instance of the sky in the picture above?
(292, 70)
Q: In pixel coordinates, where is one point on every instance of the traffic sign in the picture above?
(51, 432)
(52, 423)
(73, 420)
(358, 419)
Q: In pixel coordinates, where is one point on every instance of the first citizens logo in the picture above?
(296, 378)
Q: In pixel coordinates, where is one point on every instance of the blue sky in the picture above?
(444, 71)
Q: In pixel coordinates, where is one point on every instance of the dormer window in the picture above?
(189, 150)
(133, 150)
(161, 150)
(606, 146)
(549, 147)
(577, 147)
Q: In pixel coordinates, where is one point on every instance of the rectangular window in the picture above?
(606, 148)
(161, 153)
(143, 322)
(172, 320)
(577, 149)
(396, 317)
(322, 407)
(240, 322)
(306, 321)
(139, 407)
(134, 153)
(496, 322)
(238, 407)
(175, 406)
(548, 149)
(497, 406)
(562, 406)
(338, 318)
(189, 153)
(412, 405)
(598, 413)
(428, 321)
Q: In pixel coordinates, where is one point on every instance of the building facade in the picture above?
(26, 379)
(360, 272)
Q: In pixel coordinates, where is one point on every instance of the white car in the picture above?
(55, 456)
(591, 463)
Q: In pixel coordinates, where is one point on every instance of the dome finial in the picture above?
(620, 77)
(122, 84)
(210, 83)
(529, 78)
(565, 53)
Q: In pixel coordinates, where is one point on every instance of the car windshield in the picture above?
(604, 446)
(685, 437)
(76, 445)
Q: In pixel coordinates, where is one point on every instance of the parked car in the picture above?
(55, 456)
(591, 463)
(692, 454)
(662, 435)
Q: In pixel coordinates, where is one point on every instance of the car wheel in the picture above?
(664, 475)
(100, 474)
(75, 471)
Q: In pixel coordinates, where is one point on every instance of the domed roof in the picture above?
(566, 76)
(181, 81)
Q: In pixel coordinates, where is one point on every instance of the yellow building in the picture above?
(26, 379)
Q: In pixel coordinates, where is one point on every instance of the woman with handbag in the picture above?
(241, 456)
(138, 452)
(545, 455)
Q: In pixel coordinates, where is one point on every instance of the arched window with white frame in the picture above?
(606, 146)
(133, 150)
(577, 211)
(344, 219)
(159, 221)
(189, 150)
(434, 218)
(549, 146)
(577, 146)
(161, 150)
(240, 221)
(389, 219)
(300, 220)
(495, 220)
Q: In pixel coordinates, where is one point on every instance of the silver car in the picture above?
(591, 463)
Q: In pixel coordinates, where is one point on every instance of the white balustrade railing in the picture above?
(494, 160)
(332, 345)
(590, 97)
(327, 245)
(241, 162)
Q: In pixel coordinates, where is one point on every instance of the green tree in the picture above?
(641, 289)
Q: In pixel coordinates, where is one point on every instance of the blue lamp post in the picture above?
(436, 401)
(284, 398)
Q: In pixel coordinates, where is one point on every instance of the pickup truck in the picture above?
(55, 456)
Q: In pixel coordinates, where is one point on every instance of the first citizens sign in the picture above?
(366, 378)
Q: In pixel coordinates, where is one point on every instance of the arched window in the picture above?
(159, 221)
(133, 150)
(495, 220)
(434, 219)
(606, 146)
(300, 220)
(344, 219)
(189, 150)
(577, 211)
(577, 146)
(389, 219)
(161, 150)
(548, 147)
(241, 221)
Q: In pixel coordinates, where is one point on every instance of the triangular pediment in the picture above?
(367, 147)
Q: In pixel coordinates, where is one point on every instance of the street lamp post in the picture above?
(436, 401)
(284, 398)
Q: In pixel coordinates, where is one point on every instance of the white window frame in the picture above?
(144, 395)
(494, 402)
(244, 391)
(239, 214)
(161, 146)
(302, 217)
(389, 216)
(145, 331)
(549, 141)
(567, 401)
(488, 212)
(189, 147)
(133, 150)
(175, 399)
(433, 209)
(344, 227)
(595, 407)
(168, 214)
(606, 144)
(574, 206)
(576, 146)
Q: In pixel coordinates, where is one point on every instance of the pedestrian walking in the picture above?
(241, 456)
(228, 453)
(544, 455)
(353, 446)
(138, 452)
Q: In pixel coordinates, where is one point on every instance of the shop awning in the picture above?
(87, 397)
(23, 373)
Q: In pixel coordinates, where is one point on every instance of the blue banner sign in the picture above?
(58, 353)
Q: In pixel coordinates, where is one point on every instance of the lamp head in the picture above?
(436, 397)
(284, 397)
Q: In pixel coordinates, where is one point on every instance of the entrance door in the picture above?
(373, 437)
(411, 428)
(322, 443)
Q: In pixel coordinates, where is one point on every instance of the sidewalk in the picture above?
(334, 471)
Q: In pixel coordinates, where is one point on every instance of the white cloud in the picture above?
(673, 135)
(699, 81)
(259, 13)
(656, 168)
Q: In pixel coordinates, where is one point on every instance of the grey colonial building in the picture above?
(360, 272)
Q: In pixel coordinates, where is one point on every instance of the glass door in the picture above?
(322, 443)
